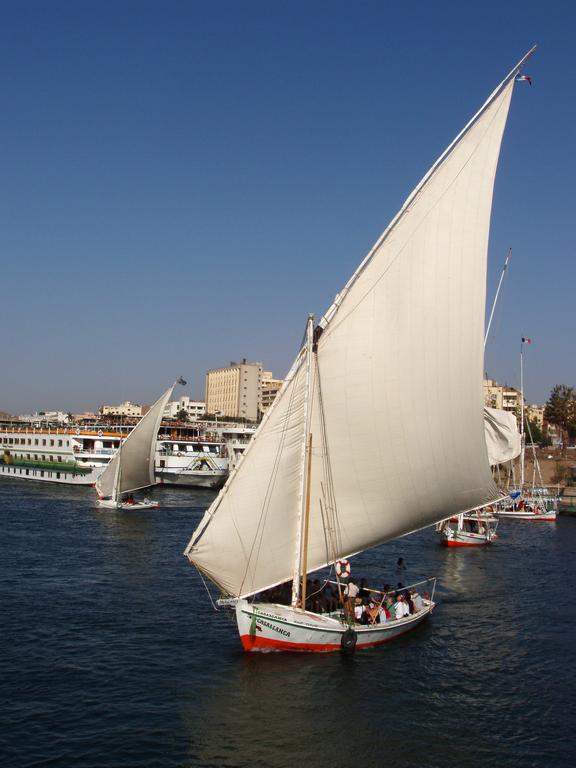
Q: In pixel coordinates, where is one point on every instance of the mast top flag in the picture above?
(391, 407)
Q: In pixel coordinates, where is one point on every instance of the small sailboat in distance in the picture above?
(132, 466)
(395, 365)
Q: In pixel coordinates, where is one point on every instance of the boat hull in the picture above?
(206, 479)
(137, 505)
(266, 627)
(457, 541)
(538, 517)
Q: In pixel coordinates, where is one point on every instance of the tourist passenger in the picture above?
(417, 601)
(382, 617)
(399, 607)
(359, 611)
(373, 613)
(350, 595)
(363, 589)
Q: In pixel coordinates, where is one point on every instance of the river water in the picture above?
(111, 655)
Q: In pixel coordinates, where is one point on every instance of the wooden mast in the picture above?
(299, 573)
(306, 523)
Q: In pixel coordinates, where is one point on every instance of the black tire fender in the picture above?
(348, 640)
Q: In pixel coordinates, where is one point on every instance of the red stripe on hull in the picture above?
(256, 643)
(451, 543)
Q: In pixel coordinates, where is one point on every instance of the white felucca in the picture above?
(396, 365)
(132, 467)
(474, 529)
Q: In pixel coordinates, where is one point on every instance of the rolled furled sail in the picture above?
(503, 440)
(400, 364)
(133, 465)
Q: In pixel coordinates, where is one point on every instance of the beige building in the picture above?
(536, 413)
(505, 398)
(125, 409)
(270, 388)
(235, 391)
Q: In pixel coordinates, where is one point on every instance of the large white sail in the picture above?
(132, 467)
(247, 531)
(398, 432)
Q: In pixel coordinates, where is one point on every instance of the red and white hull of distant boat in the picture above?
(465, 539)
(271, 627)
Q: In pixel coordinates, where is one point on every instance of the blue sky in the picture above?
(183, 182)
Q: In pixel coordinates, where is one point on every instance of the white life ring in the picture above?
(342, 568)
(100, 433)
(179, 453)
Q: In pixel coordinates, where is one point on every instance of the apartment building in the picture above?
(195, 409)
(270, 388)
(235, 390)
(125, 409)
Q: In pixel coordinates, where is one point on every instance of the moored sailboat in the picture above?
(524, 503)
(409, 321)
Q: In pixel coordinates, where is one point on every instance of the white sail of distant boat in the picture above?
(132, 467)
(394, 368)
(503, 440)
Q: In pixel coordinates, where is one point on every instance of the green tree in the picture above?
(535, 434)
(182, 415)
(561, 410)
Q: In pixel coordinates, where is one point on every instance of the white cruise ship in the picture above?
(70, 455)
(185, 454)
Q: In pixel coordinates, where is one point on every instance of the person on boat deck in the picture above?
(350, 594)
(363, 589)
(330, 598)
(383, 614)
(399, 607)
(405, 606)
(359, 612)
(130, 500)
(372, 613)
(390, 609)
(416, 601)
